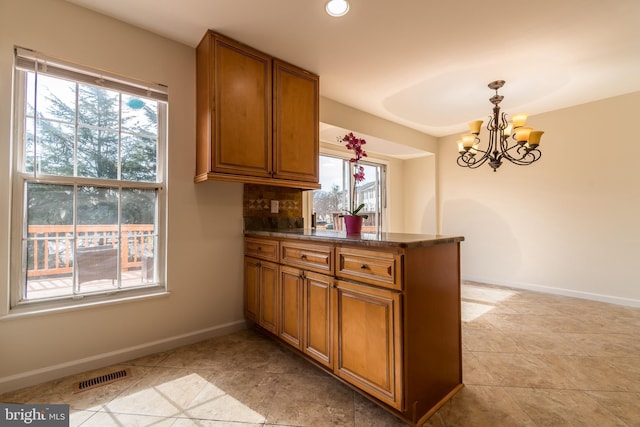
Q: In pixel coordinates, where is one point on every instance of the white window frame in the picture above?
(384, 187)
(27, 60)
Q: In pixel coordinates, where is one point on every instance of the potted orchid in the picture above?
(353, 220)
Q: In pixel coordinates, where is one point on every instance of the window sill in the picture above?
(35, 309)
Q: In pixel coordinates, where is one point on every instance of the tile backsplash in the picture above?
(258, 203)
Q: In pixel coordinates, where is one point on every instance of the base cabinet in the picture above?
(260, 292)
(318, 339)
(367, 340)
(305, 312)
(290, 298)
(384, 319)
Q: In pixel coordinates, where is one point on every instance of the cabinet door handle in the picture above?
(363, 267)
(303, 256)
(259, 248)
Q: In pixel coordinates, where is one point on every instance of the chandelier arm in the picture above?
(471, 162)
(467, 159)
(527, 156)
(532, 155)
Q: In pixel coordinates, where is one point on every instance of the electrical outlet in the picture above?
(275, 206)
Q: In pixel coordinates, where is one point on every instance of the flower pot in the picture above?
(353, 224)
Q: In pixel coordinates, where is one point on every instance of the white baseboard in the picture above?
(629, 302)
(37, 376)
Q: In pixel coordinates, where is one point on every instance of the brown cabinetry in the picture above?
(307, 256)
(383, 318)
(291, 310)
(305, 312)
(375, 267)
(318, 339)
(257, 117)
(368, 340)
(261, 273)
(260, 291)
(295, 124)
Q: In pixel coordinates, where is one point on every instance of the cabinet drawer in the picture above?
(375, 267)
(261, 248)
(310, 257)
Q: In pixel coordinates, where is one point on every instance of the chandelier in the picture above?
(513, 141)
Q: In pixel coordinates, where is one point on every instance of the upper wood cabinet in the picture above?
(295, 123)
(257, 117)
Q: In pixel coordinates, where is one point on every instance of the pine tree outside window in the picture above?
(88, 184)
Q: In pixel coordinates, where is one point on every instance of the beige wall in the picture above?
(567, 224)
(204, 221)
(420, 202)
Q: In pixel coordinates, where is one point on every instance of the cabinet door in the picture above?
(317, 318)
(291, 280)
(296, 123)
(368, 340)
(241, 123)
(268, 313)
(251, 288)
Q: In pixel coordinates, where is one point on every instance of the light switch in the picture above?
(275, 206)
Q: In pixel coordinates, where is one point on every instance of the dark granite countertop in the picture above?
(402, 240)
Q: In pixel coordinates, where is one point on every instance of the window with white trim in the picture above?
(336, 177)
(88, 183)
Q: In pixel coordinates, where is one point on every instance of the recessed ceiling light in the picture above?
(337, 7)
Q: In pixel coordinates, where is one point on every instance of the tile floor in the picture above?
(529, 359)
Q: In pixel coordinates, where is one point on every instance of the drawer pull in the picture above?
(363, 267)
(259, 248)
(303, 256)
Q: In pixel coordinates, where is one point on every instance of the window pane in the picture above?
(56, 99)
(138, 236)
(97, 268)
(139, 256)
(138, 158)
(368, 192)
(49, 204)
(54, 148)
(98, 107)
(329, 202)
(97, 153)
(139, 115)
(48, 246)
(97, 205)
(139, 206)
(97, 239)
(336, 178)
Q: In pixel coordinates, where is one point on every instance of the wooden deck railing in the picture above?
(51, 252)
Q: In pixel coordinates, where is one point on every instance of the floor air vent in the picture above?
(101, 380)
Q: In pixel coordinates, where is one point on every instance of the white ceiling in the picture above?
(425, 64)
